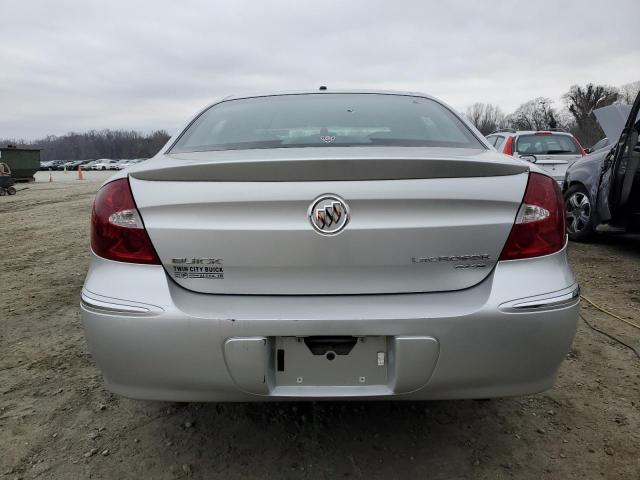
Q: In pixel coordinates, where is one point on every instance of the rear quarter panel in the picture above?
(587, 173)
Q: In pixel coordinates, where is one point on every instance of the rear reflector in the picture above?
(117, 231)
(539, 228)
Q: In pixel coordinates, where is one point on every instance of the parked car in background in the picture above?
(552, 151)
(64, 165)
(53, 164)
(104, 164)
(84, 164)
(68, 164)
(97, 164)
(122, 164)
(89, 164)
(604, 187)
(47, 164)
(78, 163)
(329, 245)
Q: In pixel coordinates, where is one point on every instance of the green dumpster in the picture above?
(23, 162)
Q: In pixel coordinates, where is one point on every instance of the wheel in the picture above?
(580, 214)
(11, 190)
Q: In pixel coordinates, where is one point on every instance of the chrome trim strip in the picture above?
(563, 298)
(548, 302)
(109, 305)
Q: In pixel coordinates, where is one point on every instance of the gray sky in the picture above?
(78, 65)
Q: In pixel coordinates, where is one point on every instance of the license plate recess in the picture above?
(330, 361)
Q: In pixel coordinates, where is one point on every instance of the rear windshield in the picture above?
(546, 145)
(325, 120)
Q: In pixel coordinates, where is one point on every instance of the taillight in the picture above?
(117, 231)
(582, 152)
(508, 146)
(540, 224)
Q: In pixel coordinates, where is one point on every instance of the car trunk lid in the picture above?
(420, 222)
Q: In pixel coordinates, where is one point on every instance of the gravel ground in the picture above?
(58, 422)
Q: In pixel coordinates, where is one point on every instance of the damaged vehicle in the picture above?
(329, 245)
(603, 189)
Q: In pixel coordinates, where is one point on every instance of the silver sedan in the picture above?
(323, 245)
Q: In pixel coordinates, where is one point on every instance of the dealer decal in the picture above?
(198, 268)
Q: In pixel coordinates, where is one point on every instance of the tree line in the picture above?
(97, 144)
(540, 114)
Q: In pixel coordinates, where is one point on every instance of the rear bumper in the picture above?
(155, 340)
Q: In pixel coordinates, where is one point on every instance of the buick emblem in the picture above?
(329, 214)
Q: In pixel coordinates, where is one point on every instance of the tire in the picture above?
(11, 190)
(581, 221)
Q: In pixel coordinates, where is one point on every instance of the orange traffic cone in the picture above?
(80, 176)
(50, 177)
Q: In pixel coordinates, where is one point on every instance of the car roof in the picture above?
(327, 91)
(399, 93)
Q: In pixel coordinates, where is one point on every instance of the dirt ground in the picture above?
(57, 421)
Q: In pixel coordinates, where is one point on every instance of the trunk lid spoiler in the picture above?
(329, 164)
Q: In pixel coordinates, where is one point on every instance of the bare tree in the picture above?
(486, 117)
(536, 114)
(581, 101)
(628, 93)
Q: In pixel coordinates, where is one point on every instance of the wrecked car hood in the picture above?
(612, 119)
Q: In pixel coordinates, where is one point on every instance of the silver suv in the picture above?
(553, 151)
